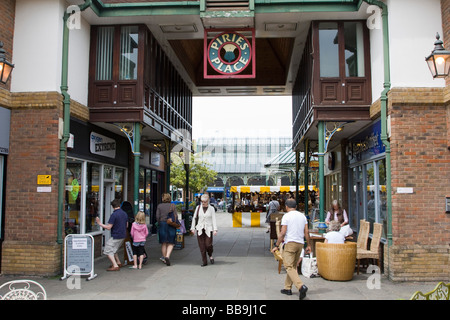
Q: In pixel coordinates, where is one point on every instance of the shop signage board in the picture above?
(102, 145)
(366, 144)
(229, 54)
(79, 256)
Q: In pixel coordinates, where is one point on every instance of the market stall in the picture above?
(249, 203)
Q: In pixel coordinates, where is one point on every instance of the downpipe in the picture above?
(384, 107)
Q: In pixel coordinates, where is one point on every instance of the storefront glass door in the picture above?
(108, 196)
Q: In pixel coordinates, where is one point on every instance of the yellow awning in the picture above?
(263, 189)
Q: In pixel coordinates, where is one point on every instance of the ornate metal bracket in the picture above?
(128, 130)
(337, 126)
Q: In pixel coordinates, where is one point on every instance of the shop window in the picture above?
(119, 177)
(2, 161)
(108, 172)
(382, 195)
(148, 190)
(370, 195)
(141, 188)
(73, 197)
(83, 197)
(92, 196)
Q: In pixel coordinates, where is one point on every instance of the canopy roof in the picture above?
(262, 189)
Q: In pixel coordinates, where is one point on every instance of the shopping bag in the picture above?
(182, 227)
(309, 266)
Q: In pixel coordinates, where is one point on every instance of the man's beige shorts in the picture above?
(112, 245)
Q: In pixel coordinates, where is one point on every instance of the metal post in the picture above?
(137, 155)
(167, 144)
(306, 180)
(321, 137)
(66, 129)
(186, 194)
(297, 169)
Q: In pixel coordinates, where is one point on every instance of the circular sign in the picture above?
(229, 53)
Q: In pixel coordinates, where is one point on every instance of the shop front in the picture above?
(151, 184)
(5, 118)
(367, 178)
(96, 173)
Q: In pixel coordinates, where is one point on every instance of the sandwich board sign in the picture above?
(79, 256)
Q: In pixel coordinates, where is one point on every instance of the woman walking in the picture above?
(166, 233)
(204, 222)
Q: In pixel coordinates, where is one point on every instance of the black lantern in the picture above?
(439, 59)
(5, 66)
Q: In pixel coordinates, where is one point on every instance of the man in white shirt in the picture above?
(294, 231)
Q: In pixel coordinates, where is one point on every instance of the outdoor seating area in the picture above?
(337, 262)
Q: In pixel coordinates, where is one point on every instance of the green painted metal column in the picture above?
(306, 180)
(321, 154)
(137, 156)
(66, 130)
(168, 146)
(297, 169)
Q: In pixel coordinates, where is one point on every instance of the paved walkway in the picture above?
(244, 269)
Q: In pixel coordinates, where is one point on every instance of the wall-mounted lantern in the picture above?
(5, 66)
(439, 59)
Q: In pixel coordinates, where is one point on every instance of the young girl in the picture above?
(139, 234)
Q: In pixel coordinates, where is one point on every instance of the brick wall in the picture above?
(420, 160)
(29, 245)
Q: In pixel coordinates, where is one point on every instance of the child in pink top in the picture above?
(139, 233)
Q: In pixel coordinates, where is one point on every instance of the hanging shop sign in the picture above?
(229, 55)
(366, 144)
(103, 146)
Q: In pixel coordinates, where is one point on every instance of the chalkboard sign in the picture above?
(79, 255)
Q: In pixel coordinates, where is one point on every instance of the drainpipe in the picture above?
(384, 106)
(66, 128)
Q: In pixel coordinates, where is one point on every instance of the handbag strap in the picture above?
(196, 216)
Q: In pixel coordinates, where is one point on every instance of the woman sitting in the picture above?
(334, 236)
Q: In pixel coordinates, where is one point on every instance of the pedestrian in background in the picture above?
(166, 233)
(139, 233)
(273, 207)
(204, 223)
(294, 230)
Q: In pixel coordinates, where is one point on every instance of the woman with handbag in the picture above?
(166, 233)
(204, 222)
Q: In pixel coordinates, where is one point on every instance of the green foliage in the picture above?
(200, 173)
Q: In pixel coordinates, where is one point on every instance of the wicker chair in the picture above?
(336, 261)
(373, 253)
(363, 234)
(277, 254)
